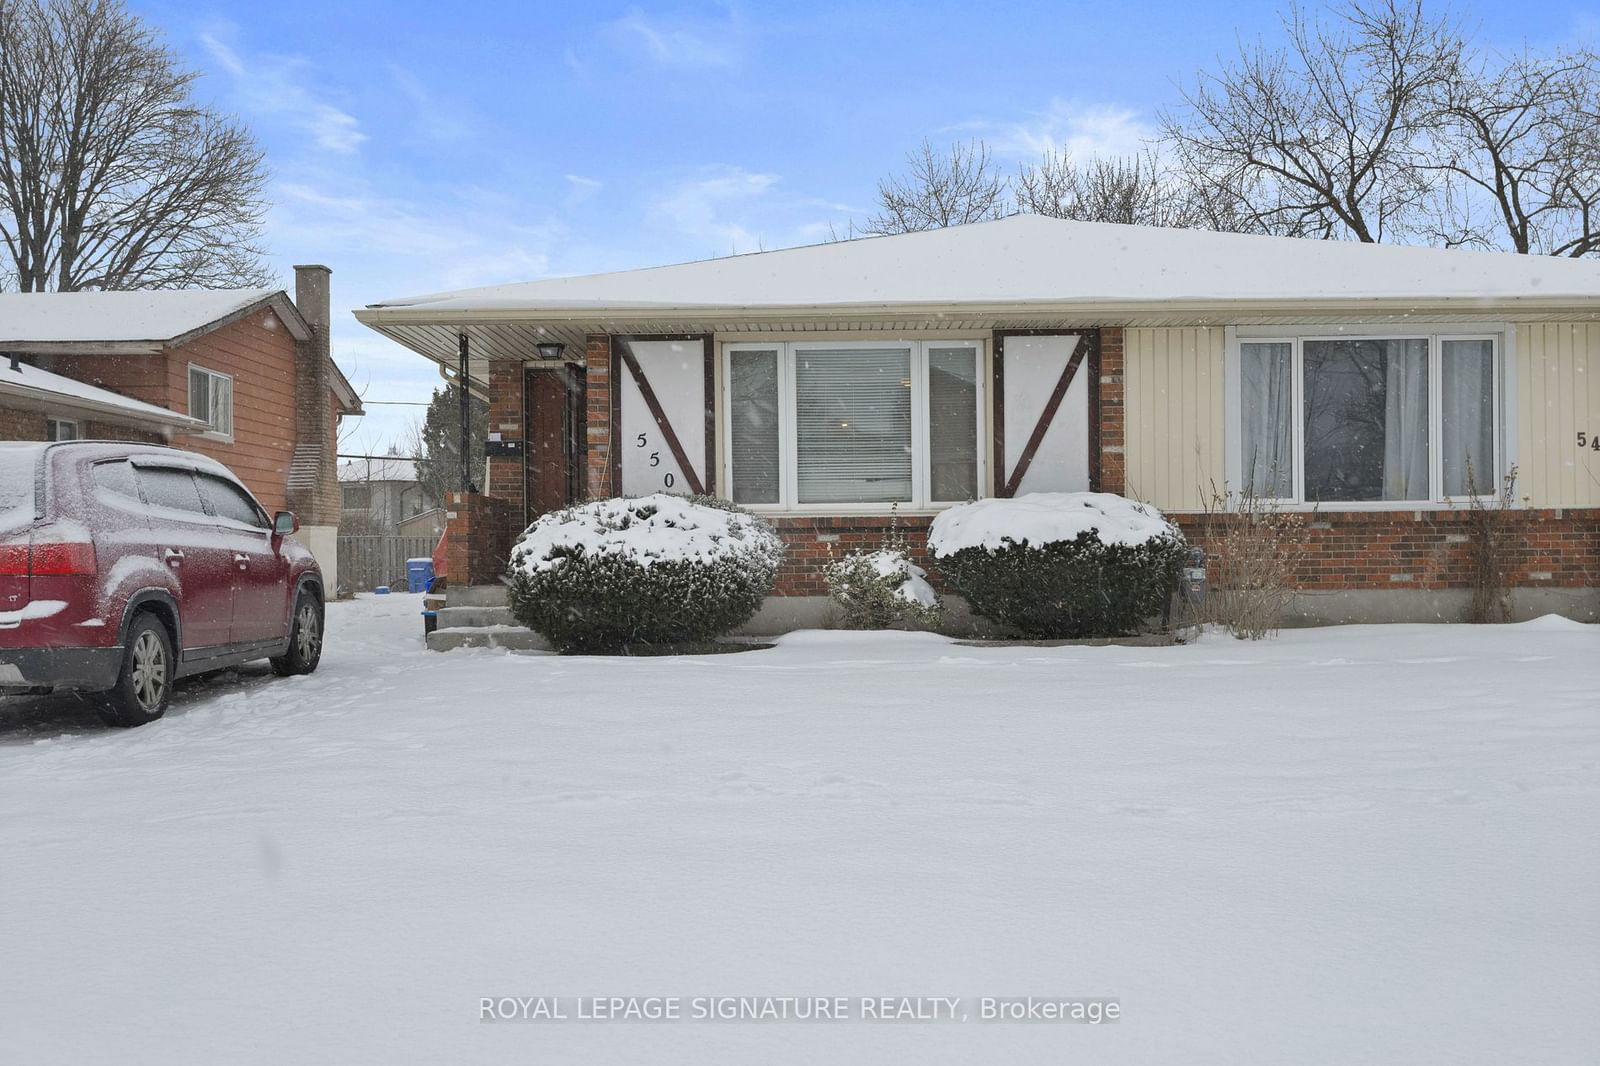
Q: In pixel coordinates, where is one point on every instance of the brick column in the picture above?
(597, 361)
(1113, 462)
(478, 543)
(508, 476)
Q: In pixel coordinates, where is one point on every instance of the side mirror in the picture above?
(284, 523)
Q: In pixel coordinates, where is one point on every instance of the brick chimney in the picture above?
(313, 481)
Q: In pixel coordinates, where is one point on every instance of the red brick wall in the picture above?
(21, 425)
(597, 365)
(815, 542)
(30, 425)
(507, 478)
(479, 538)
(1399, 550)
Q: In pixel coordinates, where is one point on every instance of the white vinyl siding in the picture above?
(1557, 397)
(1174, 420)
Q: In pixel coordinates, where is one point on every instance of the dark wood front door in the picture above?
(555, 436)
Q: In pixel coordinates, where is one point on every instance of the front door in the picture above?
(555, 436)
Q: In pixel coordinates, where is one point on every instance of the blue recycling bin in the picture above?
(419, 574)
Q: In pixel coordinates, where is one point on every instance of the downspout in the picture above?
(465, 397)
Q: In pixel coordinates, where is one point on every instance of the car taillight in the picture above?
(62, 558)
(13, 560)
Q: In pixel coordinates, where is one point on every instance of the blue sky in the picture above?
(421, 147)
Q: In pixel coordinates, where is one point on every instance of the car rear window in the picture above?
(117, 477)
(169, 487)
(230, 501)
(19, 484)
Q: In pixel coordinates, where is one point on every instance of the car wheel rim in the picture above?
(149, 670)
(308, 635)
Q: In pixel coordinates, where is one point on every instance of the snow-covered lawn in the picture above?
(1346, 845)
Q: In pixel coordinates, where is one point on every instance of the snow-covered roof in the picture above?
(1029, 259)
(385, 469)
(52, 320)
(53, 392)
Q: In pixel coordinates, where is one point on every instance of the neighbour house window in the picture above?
(814, 425)
(357, 497)
(211, 399)
(61, 429)
(1354, 420)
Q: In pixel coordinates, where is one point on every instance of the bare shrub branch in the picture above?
(1254, 551)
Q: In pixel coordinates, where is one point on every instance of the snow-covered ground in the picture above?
(1371, 845)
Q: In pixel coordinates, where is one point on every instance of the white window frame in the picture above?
(51, 421)
(1501, 336)
(214, 434)
(788, 459)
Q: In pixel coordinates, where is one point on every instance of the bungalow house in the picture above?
(830, 386)
(241, 375)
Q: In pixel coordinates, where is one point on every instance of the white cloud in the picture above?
(435, 120)
(717, 209)
(728, 210)
(1083, 129)
(580, 189)
(276, 87)
(681, 43)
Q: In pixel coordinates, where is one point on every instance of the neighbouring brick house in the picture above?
(242, 375)
(834, 386)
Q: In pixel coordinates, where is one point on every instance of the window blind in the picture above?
(853, 425)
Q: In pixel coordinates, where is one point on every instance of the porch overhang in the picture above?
(512, 332)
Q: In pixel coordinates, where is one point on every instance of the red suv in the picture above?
(124, 567)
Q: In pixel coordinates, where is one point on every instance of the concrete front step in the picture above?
(476, 595)
(452, 617)
(512, 638)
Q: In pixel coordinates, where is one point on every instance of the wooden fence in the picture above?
(368, 562)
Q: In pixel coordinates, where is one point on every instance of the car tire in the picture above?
(144, 685)
(305, 638)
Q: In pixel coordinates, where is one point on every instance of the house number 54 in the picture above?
(1589, 440)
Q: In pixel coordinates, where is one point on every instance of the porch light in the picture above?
(550, 349)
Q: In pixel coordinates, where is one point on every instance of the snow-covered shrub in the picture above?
(1060, 564)
(882, 590)
(604, 575)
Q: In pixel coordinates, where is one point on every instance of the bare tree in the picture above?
(1139, 190)
(1319, 138)
(111, 177)
(940, 188)
(1519, 152)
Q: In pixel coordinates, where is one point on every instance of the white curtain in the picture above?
(1467, 416)
(1268, 408)
(1405, 420)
